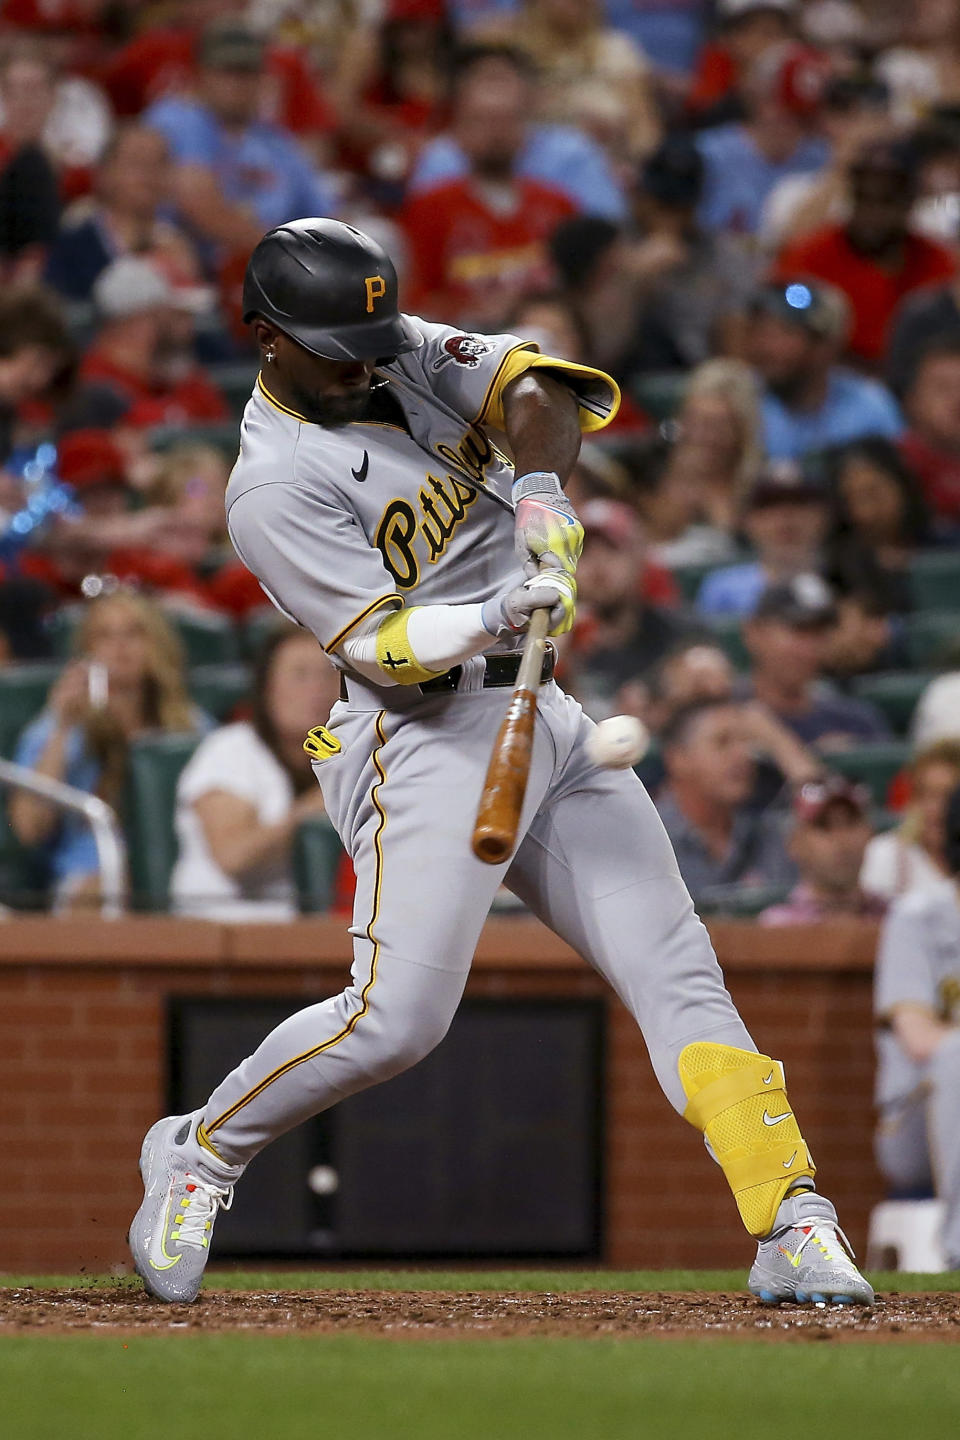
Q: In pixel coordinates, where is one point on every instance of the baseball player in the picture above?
(917, 1003)
(374, 500)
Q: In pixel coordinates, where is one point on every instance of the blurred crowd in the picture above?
(748, 211)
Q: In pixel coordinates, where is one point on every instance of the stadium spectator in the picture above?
(719, 435)
(866, 635)
(189, 486)
(829, 834)
(879, 521)
(235, 174)
(142, 352)
(925, 317)
(855, 112)
(560, 157)
(29, 185)
(911, 856)
(102, 537)
(477, 244)
(809, 402)
(247, 788)
(785, 520)
(745, 159)
(875, 257)
(125, 217)
(161, 60)
(719, 840)
(931, 445)
(577, 54)
(923, 70)
(696, 280)
(787, 637)
(395, 95)
(699, 670)
(77, 115)
(917, 1006)
(35, 350)
(620, 633)
(127, 680)
(937, 714)
(749, 28)
(668, 494)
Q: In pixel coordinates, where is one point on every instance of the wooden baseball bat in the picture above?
(501, 800)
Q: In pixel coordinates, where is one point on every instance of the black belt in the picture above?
(499, 672)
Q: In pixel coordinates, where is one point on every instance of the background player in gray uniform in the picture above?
(355, 503)
(917, 1001)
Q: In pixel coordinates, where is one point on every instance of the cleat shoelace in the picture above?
(198, 1210)
(825, 1236)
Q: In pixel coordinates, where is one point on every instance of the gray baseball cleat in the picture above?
(807, 1258)
(170, 1234)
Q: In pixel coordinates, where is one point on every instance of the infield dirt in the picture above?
(411, 1314)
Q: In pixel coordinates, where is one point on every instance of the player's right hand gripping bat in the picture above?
(501, 801)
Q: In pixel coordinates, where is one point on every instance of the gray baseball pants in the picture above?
(593, 862)
(918, 1139)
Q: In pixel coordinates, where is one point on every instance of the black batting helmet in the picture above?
(331, 288)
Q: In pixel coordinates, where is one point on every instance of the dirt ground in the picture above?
(431, 1314)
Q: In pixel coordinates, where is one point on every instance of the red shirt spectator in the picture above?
(192, 398)
(467, 255)
(142, 352)
(875, 258)
(874, 292)
(163, 62)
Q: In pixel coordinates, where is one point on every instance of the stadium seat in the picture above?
(208, 638)
(689, 578)
(259, 626)
(154, 769)
(23, 694)
(905, 1235)
(873, 765)
(224, 436)
(740, 902)
(236, 379)
(660, 392)
(935, 580)
(316, 858)
(727, 630)
(219, 689)
(895, 694)
(933, 639)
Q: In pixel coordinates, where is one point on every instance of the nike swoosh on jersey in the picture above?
(361, 471)
(769, 1119)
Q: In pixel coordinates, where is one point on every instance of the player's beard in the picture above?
(332, 411)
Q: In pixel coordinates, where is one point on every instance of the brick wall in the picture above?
(82, 1071)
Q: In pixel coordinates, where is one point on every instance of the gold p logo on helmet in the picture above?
(376, 288)
(320, 744)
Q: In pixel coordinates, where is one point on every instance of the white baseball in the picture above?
(618, 743)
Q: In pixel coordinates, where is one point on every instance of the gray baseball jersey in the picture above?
(918, 962)
(338, 524)
(918, 1135)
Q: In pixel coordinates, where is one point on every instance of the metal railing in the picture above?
(107, 835)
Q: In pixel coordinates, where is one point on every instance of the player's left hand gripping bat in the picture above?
(501, 800)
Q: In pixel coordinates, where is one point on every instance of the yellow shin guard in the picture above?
(739, 1101)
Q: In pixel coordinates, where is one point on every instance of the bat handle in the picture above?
(501, 801)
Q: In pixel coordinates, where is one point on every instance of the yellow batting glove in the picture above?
(553, 590)
(546, 522)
